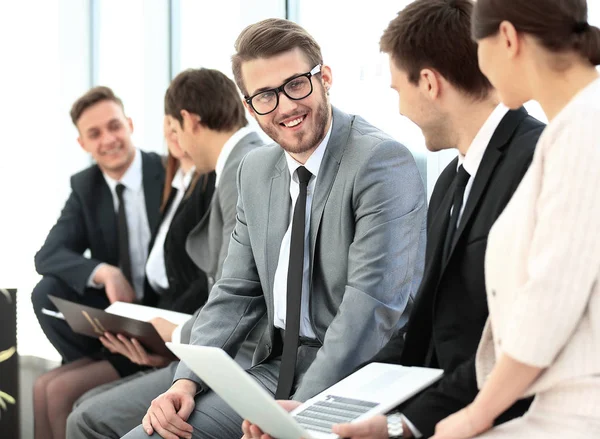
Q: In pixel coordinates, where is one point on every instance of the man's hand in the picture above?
(164, 328)
(169, 412)
(251, 431)
(118, 289)
(372, 428)
(132, 349)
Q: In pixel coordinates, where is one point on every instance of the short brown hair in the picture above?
(269, 38)
(559, 25)
(436, 34)
(209, 94)
(90, 98)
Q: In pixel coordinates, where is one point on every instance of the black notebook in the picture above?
(94, 322)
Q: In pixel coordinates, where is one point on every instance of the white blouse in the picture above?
(543, 256)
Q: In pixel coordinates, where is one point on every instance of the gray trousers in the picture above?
(110, 411)
(113, 410)
(212, 418)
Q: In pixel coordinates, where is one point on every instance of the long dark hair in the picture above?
(559, 25)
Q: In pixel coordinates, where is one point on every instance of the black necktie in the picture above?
(124, 257)
(461, 179)
(294, 291)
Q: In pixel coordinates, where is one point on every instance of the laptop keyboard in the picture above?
(322, 415)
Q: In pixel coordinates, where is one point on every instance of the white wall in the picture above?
(45, 64)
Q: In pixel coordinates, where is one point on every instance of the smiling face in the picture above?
(298, 126)
(105, 133)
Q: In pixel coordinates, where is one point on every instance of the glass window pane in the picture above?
(133, 60)
(361, 78)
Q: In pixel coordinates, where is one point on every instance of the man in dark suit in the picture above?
(433, 64)
(113, 211)
(218, 143)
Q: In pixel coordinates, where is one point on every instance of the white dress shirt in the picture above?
(471, 161)
(137, 222)
(280, 285)
(156, 271)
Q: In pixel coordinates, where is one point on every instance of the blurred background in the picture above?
(52, 51)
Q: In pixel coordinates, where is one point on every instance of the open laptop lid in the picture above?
(385, 385)
(239, 390)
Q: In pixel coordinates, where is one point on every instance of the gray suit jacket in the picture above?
(208, 242)
(366, 250)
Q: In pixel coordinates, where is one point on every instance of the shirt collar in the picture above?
(314, 161)
(132, 178)
(227, 148)
(472, 159)
(181, 180)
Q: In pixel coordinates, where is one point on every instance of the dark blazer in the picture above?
(451, 307)
(88, 222)
(188, 285)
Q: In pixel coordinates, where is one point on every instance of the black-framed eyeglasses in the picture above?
(296, 88)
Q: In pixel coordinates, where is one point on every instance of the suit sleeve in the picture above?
(451, 394)
(391, 352)
(61, 255)
(228, 198)
(389, 208)
(236, 303)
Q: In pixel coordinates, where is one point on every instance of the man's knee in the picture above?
(139, 433)
(39, 296)
(83, 420)
(74, 422)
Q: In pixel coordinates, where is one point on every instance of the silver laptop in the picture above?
(374, 389)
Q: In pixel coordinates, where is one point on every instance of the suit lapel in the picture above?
(278, 218)
(340, 132)
(490, 159)
(151, 179)
(419, 332)
(436, 234)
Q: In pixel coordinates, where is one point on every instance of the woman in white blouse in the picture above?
(543, 257)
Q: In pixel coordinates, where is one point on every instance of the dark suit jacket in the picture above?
(88, 221)
(188, 285)
(451, 307)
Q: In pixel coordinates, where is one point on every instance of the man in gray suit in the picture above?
(328, 241)
(209, 118)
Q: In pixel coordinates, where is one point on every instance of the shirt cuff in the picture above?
(90, 282)
(176, 335)
(415, 432)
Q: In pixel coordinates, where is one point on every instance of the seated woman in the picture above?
(543, 254)
(180, 285)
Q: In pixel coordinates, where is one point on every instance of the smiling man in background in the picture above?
(112, 211)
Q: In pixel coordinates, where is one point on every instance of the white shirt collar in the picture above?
(227, 148)
(314, 161)
(182, 180)
(132, 178)
(472, 159)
